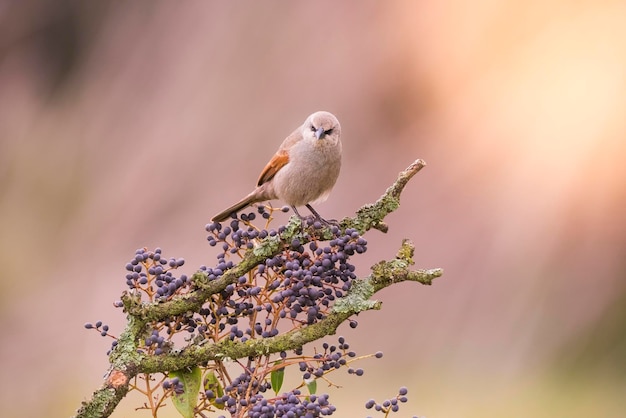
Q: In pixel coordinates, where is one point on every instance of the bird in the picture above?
(304, 169)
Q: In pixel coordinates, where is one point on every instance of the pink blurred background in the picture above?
(125, 125)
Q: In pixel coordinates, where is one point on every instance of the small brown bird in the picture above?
(303, 170)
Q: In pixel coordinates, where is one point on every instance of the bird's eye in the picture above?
(313, 128)
(328, 132)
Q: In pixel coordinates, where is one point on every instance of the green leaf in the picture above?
(186, 401)
(212, 383)
(277, 378)
(311, 385)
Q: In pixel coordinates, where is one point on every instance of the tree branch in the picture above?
(127, 362)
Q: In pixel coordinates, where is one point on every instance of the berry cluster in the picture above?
(243, 392)
(234, 238)
(333, 357)
(103, 329)
(174, 385)
(311, 280)
(292, 404)
(152, 274)
(299, 283)
(156, 343)
(98, 326)
(388, 405)
(243, 395)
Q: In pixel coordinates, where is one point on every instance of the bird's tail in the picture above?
(246, 201)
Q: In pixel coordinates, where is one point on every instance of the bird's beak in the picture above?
(319, 134)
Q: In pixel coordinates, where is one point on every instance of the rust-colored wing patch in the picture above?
(280, 159)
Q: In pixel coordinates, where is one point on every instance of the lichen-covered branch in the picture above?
(372, 215)
(127, 361)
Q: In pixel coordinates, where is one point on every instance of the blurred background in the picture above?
(129, 124)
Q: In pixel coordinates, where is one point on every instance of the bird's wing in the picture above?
(280, 159)
(276, 163)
